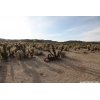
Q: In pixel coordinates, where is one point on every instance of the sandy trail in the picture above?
(74, 68)
(3, 72)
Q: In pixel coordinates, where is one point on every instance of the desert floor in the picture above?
(75, 68)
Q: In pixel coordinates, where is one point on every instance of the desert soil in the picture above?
(75, 68)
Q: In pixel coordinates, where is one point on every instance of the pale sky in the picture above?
(58, 28)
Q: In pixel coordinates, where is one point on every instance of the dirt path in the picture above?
(73, 68)
(21, 71)
(3, 72)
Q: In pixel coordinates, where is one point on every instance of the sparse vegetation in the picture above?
(26, 54)
(29, 49)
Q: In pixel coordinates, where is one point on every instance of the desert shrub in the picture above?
(19, 54)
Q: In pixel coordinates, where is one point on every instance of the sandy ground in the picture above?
(75, 68)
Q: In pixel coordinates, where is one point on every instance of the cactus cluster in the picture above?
(53, 54)
(4, 54)
(23, 50)
(16, 50)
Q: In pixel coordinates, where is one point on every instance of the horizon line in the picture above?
(48, 40)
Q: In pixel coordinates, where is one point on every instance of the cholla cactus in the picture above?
(13, 50)
(31, 52)
(66, 48)
(4, 54)
(22, 50)
(54, 55)
(88, 47)
(19, 54)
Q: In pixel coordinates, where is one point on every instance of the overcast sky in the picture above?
(58, 28)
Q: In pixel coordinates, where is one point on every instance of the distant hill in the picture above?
(29, 40)
(48, 41)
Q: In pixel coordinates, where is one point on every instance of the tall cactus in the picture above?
(4, 53)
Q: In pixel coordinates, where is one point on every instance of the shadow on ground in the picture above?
(3, 72)
(30, 71)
